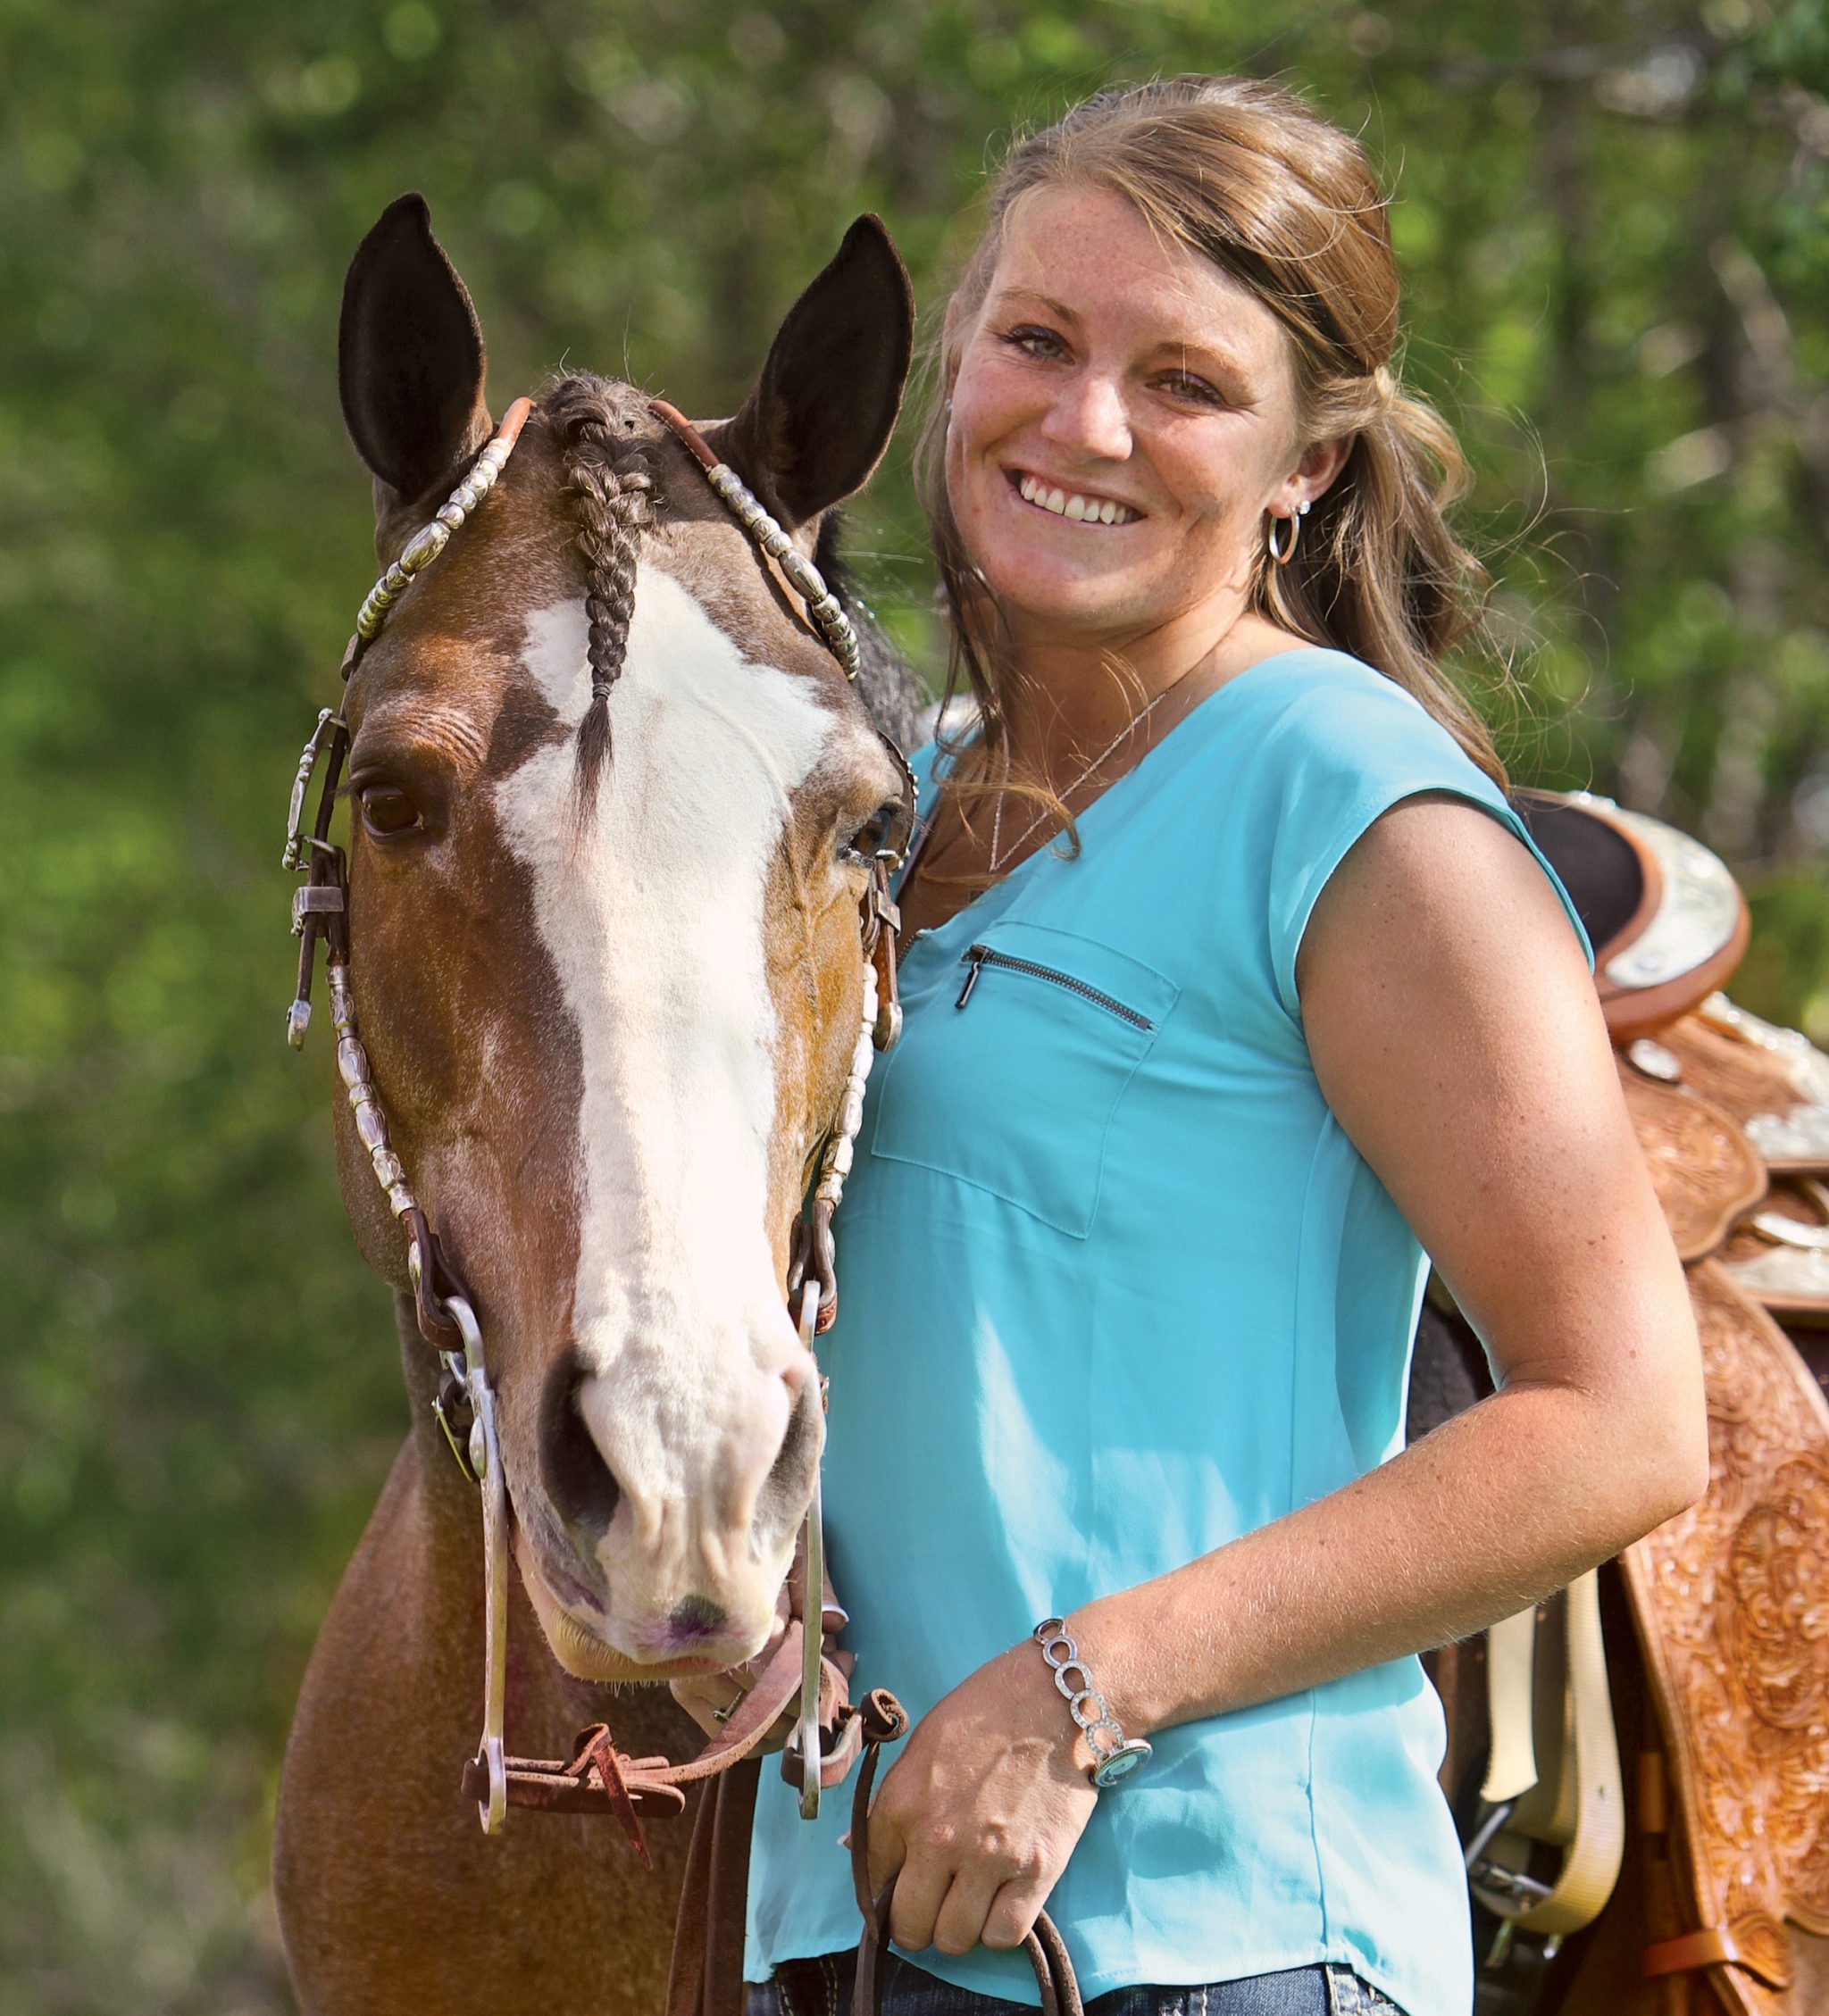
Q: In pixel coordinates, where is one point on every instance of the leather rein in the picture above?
(598, 1778)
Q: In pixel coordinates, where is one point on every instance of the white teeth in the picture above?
(1082, 510)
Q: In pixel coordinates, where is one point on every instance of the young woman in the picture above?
(1235, 986)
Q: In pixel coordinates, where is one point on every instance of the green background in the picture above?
(1611, 224)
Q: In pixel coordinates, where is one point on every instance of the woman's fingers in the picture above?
(691, 1696)
(1012, 1913)
(977, 1817)
(888, 1846)
(709, 1698)
(921, 1888)
(955, 1909)
(780, 1729)
(960, 1923)
(712, 1698)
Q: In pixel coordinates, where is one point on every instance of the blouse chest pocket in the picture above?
(1013, 1062)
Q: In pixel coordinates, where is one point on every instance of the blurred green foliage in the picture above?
(1611, 219)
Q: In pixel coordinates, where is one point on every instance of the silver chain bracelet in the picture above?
(1115, 1754)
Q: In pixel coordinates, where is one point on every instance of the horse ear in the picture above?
(824, 407)
(409, 355)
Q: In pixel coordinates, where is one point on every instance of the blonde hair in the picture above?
(1286, 204)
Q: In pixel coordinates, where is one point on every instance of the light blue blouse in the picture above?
(1116, 1289)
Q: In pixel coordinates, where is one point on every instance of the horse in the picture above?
(611, 804)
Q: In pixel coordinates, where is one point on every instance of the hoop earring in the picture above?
(1294, 522)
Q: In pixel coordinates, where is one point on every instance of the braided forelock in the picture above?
(610, 487)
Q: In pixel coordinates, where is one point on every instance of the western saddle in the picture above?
(1703, 1652)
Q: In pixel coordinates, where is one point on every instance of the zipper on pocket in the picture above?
(978, 956)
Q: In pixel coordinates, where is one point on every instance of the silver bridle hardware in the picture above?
(485, 1464)
(297, 839)
(821, 604)
(812, 1603)
(835, 1165)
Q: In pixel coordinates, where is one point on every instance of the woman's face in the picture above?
(1123, 418)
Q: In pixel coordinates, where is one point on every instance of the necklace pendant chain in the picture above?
(997, 816)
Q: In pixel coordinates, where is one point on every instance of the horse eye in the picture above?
(386, 810)
(861, 848)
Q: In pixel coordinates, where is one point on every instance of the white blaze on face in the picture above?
(654, 916)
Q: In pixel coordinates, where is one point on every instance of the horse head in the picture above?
(610, 798)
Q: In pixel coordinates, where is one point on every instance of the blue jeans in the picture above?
(823, 1987)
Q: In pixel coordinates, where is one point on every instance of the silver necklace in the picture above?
(996, 817)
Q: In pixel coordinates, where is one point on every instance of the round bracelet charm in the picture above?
(1115, 1754)
(1116, 1765)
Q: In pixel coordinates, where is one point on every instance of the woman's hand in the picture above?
(976, 1819)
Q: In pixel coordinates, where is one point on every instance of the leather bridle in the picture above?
(598, 1778)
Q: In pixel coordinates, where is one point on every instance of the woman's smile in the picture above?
(1080, 507)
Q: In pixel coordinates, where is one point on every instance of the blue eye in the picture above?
(1033, 342)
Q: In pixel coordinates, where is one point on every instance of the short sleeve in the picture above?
(1358, 745)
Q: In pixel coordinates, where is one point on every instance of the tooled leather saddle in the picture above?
(1697, 1877)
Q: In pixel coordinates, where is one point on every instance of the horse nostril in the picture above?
(783, 1497)
(695, 1617)
(580, 1485)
